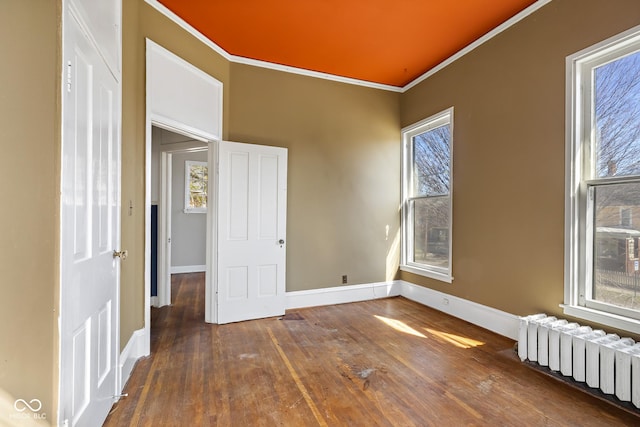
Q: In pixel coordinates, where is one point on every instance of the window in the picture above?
(195, 191)
(626, 219)
(603, 183)
(426, 193)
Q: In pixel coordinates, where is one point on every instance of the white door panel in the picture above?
(252, 202)
(90, 229)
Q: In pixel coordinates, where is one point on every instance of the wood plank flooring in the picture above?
(388, 362)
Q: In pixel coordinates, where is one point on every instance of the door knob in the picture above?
(281, 242)
(121, 254)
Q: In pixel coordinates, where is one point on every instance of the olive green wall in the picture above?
(29, 217)
(509, 153)
(343, 171)
(142, 21)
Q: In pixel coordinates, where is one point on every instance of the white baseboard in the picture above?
(497, 321)
(342, 294)
(178, 269)
(134, 350)
(500, 322)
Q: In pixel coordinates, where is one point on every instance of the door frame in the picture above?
(210, 280)
(165, 204)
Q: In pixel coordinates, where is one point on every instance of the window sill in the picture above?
(197, 211)
(443, 277)
(603, 318)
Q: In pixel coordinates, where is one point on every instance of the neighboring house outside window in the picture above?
(602, 278)
(195, 192)
(426, 197)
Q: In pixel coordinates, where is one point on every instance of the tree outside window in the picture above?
(196, 180)
(616, 113)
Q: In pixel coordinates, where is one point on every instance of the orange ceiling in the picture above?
(391, 42)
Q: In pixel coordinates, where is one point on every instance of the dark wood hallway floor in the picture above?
(388, 362)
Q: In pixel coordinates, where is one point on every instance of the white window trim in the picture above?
(575, 193)
(433, 272)
(187, 191)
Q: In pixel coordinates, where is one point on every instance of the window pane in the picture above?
(431, 162)
(197, 186)
(431, 231)
(617, 117)
(616, 277)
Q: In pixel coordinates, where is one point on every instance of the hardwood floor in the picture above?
(388, 362)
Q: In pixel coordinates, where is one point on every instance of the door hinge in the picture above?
(69, 76)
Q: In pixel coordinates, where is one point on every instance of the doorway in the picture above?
(179, 178)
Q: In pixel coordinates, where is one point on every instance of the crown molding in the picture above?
(326, 76)
(188, 28)
(310, 73)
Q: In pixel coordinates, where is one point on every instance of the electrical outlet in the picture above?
(344, 279)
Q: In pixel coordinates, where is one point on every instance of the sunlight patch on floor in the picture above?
(457, 340)
(400, 326)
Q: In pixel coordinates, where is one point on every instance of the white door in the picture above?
(90, 225)
(252, 210)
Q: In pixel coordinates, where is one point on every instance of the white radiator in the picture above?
(600, 360)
